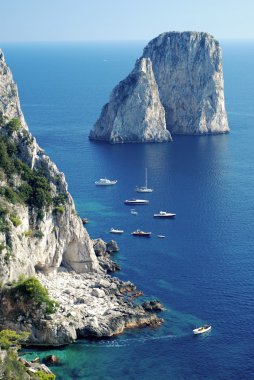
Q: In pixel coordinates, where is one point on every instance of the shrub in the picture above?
(40, 375)
(25, 192)
(38, 234)
(28, 233)
(14, 125)
(59, 209)
(15, 220)
(10, 194)
(59, 199)
(33, 290)
(4, 225)
(9, 338)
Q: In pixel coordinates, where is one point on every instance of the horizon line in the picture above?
(115, 40)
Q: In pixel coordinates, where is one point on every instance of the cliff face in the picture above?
(188, 70)
(134, 112)
(184, 80)
(39, 227)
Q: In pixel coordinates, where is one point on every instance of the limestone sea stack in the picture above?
(187, 69)
(134, 112)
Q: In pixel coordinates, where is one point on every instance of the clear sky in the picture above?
(82, 20)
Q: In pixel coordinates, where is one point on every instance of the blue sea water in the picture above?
(203, 271)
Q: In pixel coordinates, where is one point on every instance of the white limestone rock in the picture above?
(188, 71)
(134, 112)
(179, 74)
(63, 239)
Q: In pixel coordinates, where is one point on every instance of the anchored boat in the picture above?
(116, 231)
(136, 202)
(164, 214)
(202, 329)
(105, 182)
(144, 189)
(141, 233)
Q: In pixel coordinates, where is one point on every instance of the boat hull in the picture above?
(201, 330)
(105, 184)
(136, 202)
(145, 234)
(144, 190)
(164, 216)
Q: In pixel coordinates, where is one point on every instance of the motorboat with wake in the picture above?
(202, 329)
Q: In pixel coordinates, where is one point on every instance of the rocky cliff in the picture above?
(34, 233)
(134, 112)
(185, 80)
(42, 235)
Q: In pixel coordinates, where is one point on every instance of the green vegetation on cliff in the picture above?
(31, 290)
(11, 368)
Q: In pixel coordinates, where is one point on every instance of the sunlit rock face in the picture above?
(134, 112)
(176, 87)
(188, 71)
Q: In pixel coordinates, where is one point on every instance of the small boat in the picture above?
(105, 182)
(134, 212)
(116, 231)
(202, 329)
(85, 220)
(136, 202)
(161, 236)
(144, 189)
(164, 214)
(141, 233)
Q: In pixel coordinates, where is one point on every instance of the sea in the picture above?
(203, 270)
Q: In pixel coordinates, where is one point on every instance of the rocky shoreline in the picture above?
(91, 305)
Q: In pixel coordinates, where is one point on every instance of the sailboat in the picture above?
(144, 189)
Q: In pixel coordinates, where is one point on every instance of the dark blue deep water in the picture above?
(203, 271)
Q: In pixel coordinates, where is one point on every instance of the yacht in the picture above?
(105, 182)
(202, 329)
(116, 231)
(144, 189)
(164, 214)
(136, 202)
(141, 233)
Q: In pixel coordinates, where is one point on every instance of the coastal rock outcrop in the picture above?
(134, 112)
(39, 226)
(42, 235)
(185, 70)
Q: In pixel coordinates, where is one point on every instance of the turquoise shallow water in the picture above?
(203, 271)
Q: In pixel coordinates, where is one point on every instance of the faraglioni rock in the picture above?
(184, 79)
(134, 112)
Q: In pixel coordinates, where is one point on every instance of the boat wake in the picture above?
(131, 341)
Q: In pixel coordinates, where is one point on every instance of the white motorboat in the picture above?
(116, 231)
(144, 189)
(136, 202)
(164, 214)
(202, 329)
(141, 233)
(105, 182)
(161, 236)
(134, 212)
